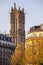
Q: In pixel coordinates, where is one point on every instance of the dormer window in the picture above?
(1, 37)
(8, 39)
(4, 38)
(41, 27)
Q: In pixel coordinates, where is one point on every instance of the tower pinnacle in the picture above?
(19, 7)
(14, 5)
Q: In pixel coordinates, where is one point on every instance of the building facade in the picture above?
(17, 25)
(6, 49)
(34, 46)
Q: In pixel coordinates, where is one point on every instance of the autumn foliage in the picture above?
(18, 57)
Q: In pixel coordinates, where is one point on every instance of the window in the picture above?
(5, 50)
(2, 50)
(40, 34)
(10, 51)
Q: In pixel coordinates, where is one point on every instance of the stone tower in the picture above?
(17, 25)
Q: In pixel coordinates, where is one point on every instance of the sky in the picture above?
(33, 13)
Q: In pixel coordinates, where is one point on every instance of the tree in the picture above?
(41, 63)
(18, 57)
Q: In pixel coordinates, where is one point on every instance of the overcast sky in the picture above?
(32, 8)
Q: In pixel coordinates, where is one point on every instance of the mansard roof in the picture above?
(5, 37)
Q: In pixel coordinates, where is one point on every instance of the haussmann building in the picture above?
(34, 45)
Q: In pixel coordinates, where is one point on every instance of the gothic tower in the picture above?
(17, 25)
